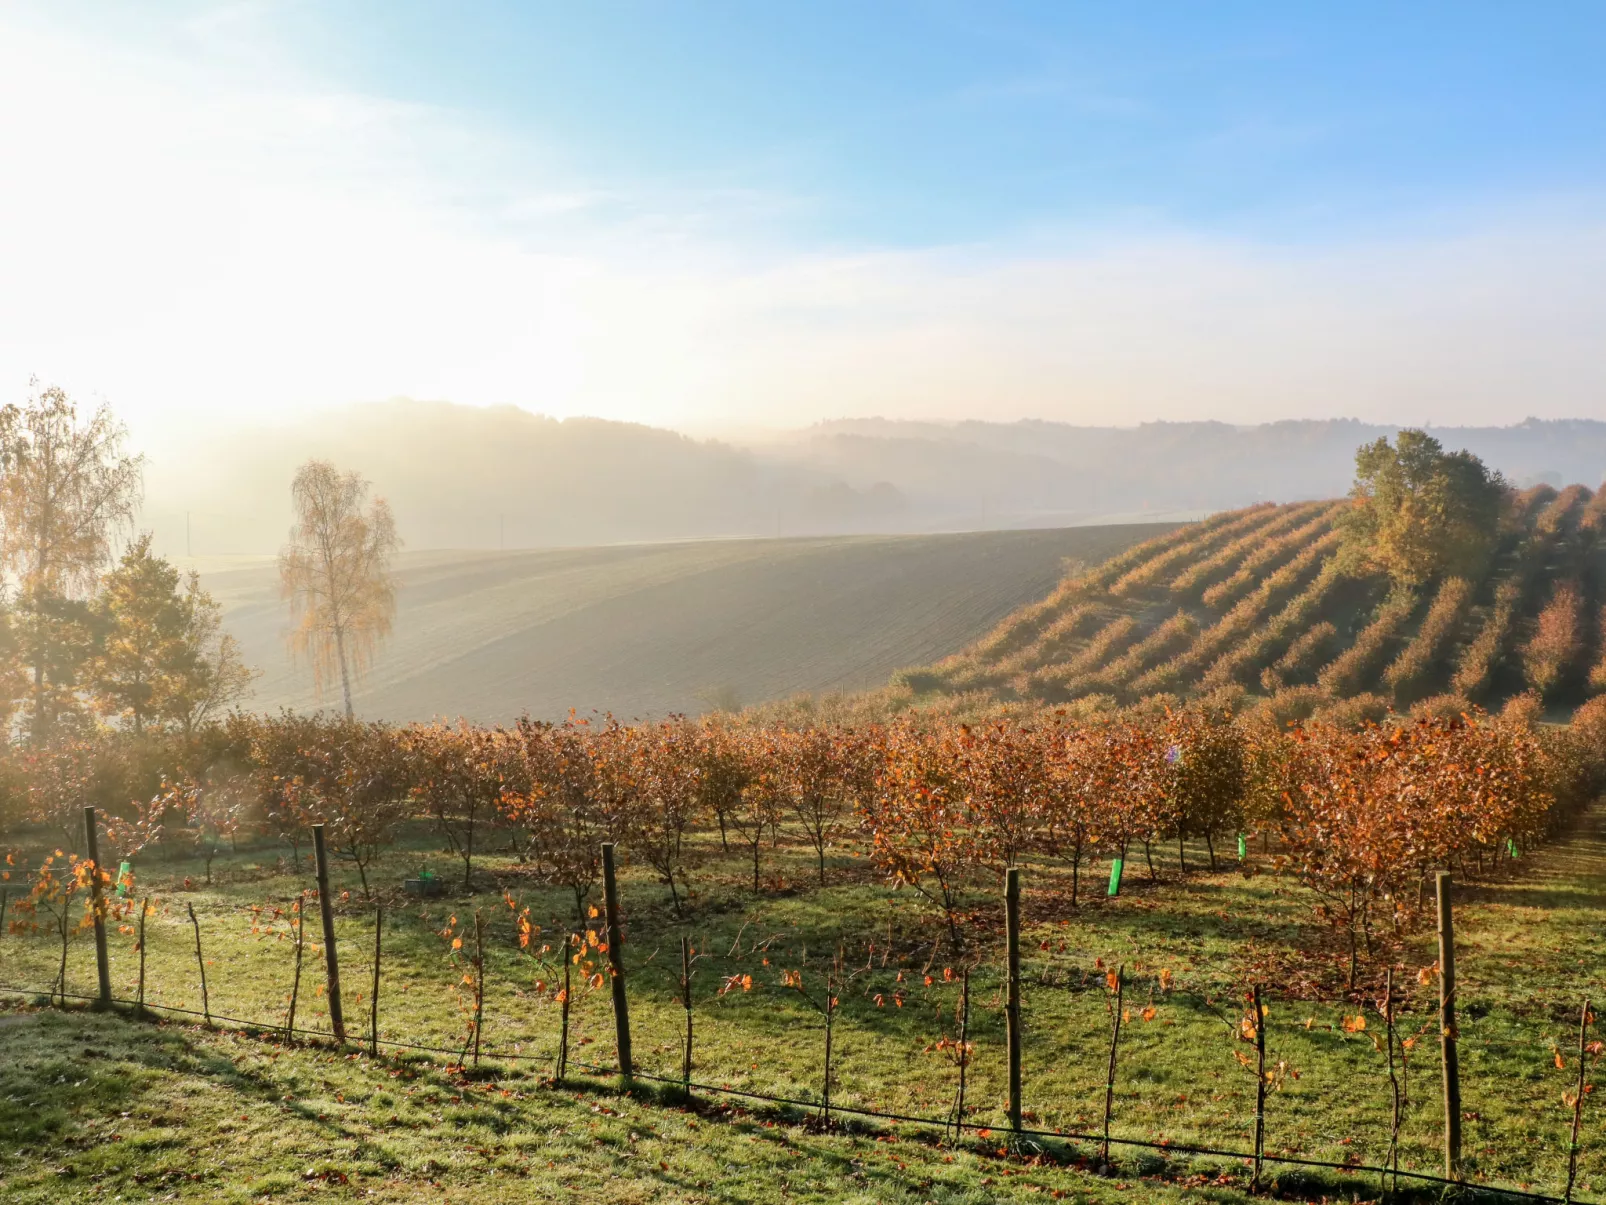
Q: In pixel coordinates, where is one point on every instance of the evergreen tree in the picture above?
(144, 657)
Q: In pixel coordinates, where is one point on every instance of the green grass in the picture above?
(176, 1092)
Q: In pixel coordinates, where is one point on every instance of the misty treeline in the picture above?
(1030, 470)
(502, 477)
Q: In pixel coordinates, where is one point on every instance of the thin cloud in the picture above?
(187, 242)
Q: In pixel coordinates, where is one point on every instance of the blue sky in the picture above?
(910, 123)
(764, 214)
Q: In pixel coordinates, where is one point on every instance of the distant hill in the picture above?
(504, 478)
(1252, 602)
(496, 478)
(1026, 473)
(644, 630)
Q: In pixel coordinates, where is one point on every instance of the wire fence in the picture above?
(940, 1124)
(880, 986)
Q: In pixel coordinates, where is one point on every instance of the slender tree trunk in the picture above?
(41, 720)
(61, 973)
(41, 723)
(957, 941)
(345, 675)
(1352, 952)
(1210, 844)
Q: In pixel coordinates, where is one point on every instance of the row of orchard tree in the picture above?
(1361, 816)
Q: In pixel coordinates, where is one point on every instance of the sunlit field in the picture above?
(291, 1120)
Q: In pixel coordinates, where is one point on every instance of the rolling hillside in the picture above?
(644, 630)
(1254, 601)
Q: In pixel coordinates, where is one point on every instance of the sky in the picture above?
(760, 215)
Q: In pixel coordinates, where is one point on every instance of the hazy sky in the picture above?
(770, 213)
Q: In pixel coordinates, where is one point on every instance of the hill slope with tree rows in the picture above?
(1264, 603)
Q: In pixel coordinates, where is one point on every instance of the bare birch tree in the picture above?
(335, 572)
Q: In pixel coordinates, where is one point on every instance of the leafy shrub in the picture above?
(1478, 659)
(1237, 623)
(1171, 636)
(1557, 638)
(1156, 568)
(1197, 578)
(1055, 681)
(1407, 671)
(1299, 657)
(1346, 674)
(1239, 664)
(1118, 567)
(1523, 711)
(919, 681)
(1071, 625)
(1291, 706)
(1270, 554)
(1597, 675)
(1443, 707)
(1357, 711)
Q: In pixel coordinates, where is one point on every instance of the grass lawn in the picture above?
(177, 1110)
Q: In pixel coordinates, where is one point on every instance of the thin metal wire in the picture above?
(933, 1122)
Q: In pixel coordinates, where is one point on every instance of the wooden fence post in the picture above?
(1393, 1159)
(830, 1026)
(331, 960)
(373, 997)
(200, 961)
(139, 1000)
(616, 962)
(685, 1003)
(479, 981)
(1578, 1099)
(1260, 1086)
(1012, 990)
(98, 909)
(963, 1054)
(295, 984)
(1447, 1030)
(563, 1020)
